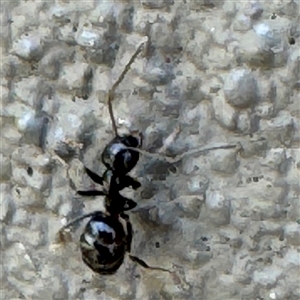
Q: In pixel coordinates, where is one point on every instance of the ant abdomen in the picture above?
(104, 243)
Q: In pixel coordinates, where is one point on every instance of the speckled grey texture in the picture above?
(212, 73)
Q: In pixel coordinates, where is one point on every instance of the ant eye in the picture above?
(131, 141)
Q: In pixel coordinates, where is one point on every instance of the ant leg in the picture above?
(129, 232)
(120, 182)
(95, 177)
(134, 258)
(144, 265)
(91, 193)
(111, 92)
(127, 181)
(129, 204)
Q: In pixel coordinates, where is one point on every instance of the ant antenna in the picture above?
(111, 92)
(169, 159)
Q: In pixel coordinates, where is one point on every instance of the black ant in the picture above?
(108, 234)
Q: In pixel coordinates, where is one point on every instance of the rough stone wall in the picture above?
(223, 72)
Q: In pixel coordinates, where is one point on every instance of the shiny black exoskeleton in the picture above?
(108, 234)
(118, 158)
(105, 241)
(113, 184)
